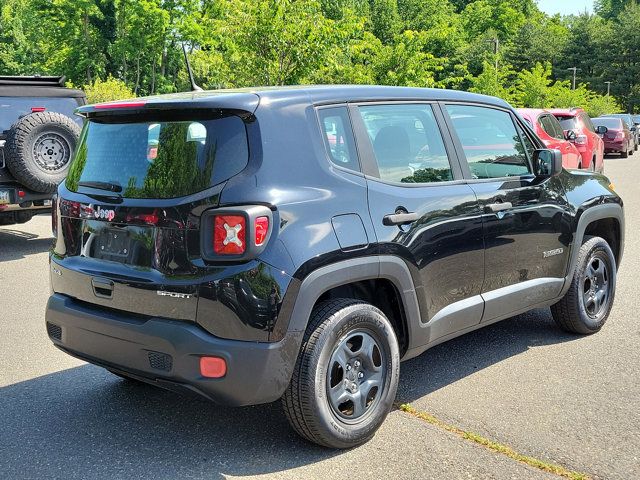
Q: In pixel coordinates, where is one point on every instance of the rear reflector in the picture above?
(229, 235)
(261, 226)
(213, 367)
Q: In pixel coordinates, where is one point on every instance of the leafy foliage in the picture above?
(237, 43)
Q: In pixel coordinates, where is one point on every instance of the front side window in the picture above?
(338, 137)
(407, 143)
(492, 145)
(163, 159)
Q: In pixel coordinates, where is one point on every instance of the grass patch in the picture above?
(494, 446)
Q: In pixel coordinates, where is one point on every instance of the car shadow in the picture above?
(86, 422)
(16, 244)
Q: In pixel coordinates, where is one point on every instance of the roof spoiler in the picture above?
(33, 81)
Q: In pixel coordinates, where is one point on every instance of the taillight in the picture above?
(619, 136)
(229, 235)
(581, 139)
(261, 229)
(235, 234)
(37, 109)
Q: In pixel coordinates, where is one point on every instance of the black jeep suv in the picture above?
(38, 133)
(298, 243)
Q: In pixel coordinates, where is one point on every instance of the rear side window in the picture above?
(568, 122)
(338, 137)
(586, 121)
(160, 159)
(407, 143)
(551, 126)
(12, 108)
(492, 145)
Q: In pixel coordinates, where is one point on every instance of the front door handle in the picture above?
(399, 218)
(499, 206)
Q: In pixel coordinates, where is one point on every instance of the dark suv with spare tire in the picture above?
(298, 243)
(38, 133)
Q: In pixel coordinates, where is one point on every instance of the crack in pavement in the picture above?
(493, 446)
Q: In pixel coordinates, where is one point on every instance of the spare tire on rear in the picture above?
(39, 148)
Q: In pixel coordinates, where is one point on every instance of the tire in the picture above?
(624, 154)
(578, 311)
(333, 353)
(39, 148)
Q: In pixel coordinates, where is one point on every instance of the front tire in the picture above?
(587, 304)
(346, 376)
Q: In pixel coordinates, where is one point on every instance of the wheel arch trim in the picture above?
(588, 216)
(353, 270)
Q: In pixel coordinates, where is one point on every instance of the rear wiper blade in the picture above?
(109, 186)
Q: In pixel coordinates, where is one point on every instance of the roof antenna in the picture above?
(194, 87)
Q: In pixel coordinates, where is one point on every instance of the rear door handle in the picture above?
(399, 218)
(499, 206)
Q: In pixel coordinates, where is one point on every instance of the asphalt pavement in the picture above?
(557, 398)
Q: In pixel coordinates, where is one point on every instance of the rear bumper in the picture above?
(614, 146)
(28, 201)
(167, 352)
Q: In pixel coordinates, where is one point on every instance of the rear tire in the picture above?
(346, 376)
(39, 148)
(586, 306)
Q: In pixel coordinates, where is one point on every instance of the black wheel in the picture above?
(624, 154)
(346, 376)
(39, 148)
(586, 305)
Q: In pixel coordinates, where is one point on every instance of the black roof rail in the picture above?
(33, 81)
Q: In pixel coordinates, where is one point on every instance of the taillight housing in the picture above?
(235, 234)
(619, 136)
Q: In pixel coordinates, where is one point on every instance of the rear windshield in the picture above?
(159, 159)
(625, 118)
(608, 122)
(568, 123)
(12, 108)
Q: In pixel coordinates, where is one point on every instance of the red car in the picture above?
(585, 136)
(548, 128)
(618, 138)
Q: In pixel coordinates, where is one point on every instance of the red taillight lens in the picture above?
(213, 367)
(261, 227)
(37, 109)
(619, 136)
(229, 235)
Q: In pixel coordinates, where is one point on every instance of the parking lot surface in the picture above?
(558, 398)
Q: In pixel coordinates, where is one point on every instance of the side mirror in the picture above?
(570, 135)
(634, 128)
(601, 129)
(547, 163)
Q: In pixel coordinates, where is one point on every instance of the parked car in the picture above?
(38, 133)
(587, 139)
(549, 130)
(298, 243)
(631, 125)
(618, 138)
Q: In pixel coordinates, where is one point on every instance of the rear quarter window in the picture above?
(165, 159)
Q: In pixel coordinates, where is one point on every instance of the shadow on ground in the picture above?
(84, 422)
(16, 244)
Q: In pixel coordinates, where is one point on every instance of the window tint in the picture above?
(608, 122)
(338, 137)
(490, 141)
(407, 143)
(160, 159)
(555, 124)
